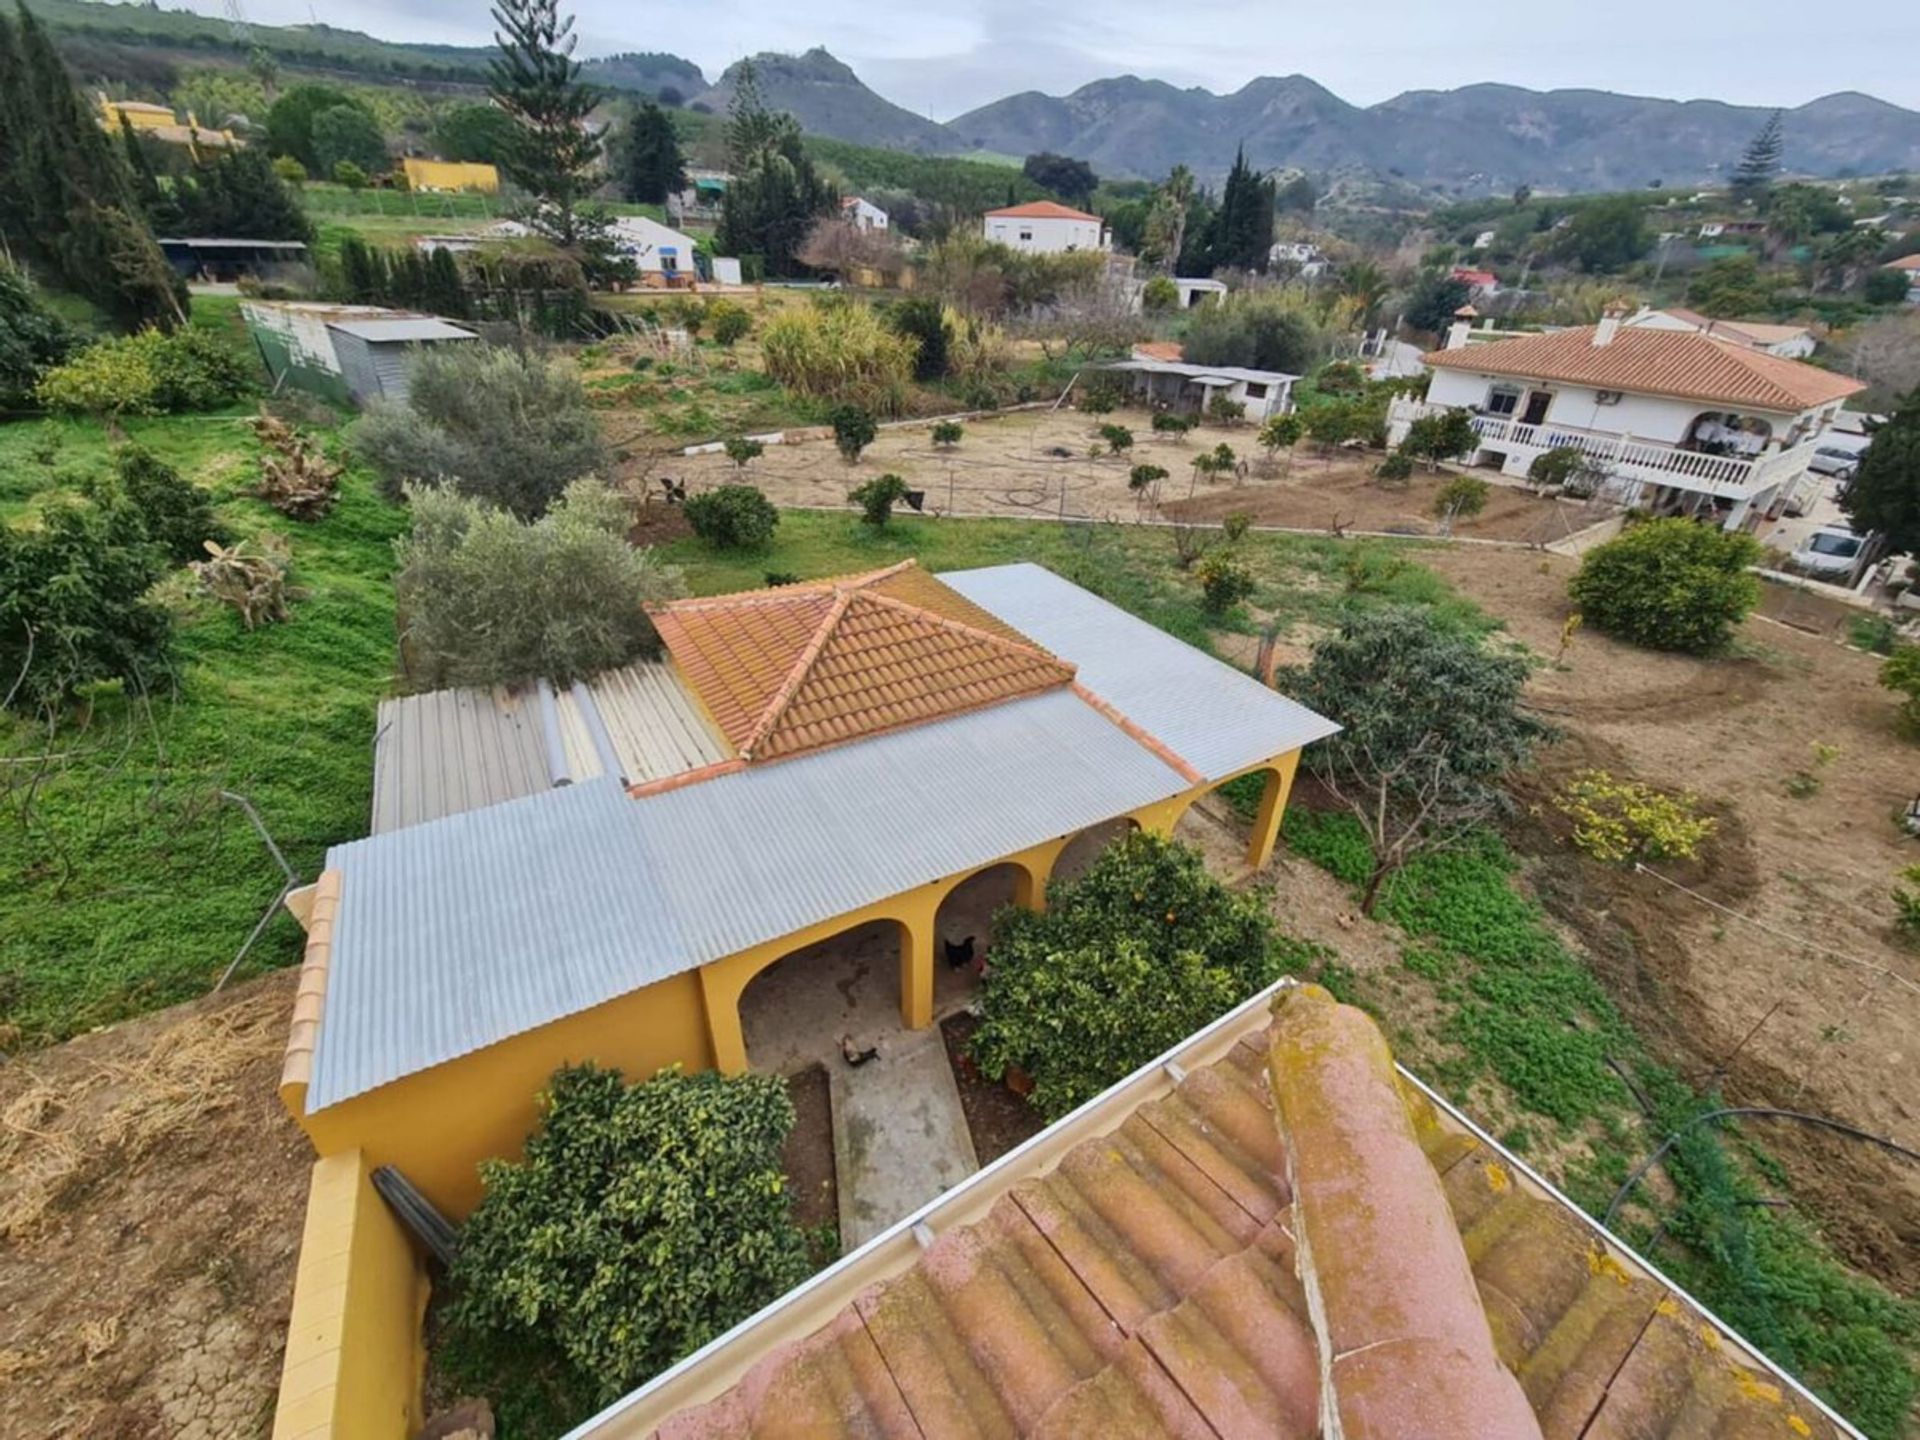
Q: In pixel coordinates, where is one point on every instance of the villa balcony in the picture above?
(1723, 477)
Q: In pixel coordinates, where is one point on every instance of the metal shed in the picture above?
(376, 356)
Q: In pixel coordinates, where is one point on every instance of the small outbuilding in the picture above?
(346, 354)
(224, 260)
(1179, 386)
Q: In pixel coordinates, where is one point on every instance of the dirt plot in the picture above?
(1798, 993)
(1036, 464)
(151, 1197)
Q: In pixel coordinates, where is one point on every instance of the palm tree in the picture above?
(1365, 283)
(1167, 220)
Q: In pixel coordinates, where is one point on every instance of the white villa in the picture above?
(1790, 342)
(1175, 385)
(1044, 227)
(1683, 423)
(862, 214)
(655, 248)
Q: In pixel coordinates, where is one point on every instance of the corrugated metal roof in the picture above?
(456, 750)
(1152, 366)
(456, 934)
(1216, 718)
(382, 331)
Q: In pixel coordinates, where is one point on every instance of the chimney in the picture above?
(1457, 332)
(1608, 327)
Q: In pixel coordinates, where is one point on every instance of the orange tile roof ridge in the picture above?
(796, 677)
(1140, 733)
(773, 595)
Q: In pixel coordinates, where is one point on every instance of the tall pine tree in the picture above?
(67, 196)
(536, 80)
(1753, 176)
(775, 194)
(1244, 226)
(653, 167)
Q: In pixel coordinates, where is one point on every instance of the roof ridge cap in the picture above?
(946, 622)
(781, 594)
(803, 663)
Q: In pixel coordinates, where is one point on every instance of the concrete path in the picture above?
(899, 1135)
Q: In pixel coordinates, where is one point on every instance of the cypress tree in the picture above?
(776, 194)
(1245, 222)
(655, 167)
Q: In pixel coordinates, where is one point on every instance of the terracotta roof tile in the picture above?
(1043, 210)
(1149, 1284)
(791, 669)
(1657, 362)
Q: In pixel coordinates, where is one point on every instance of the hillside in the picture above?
(1476, 138)
(828, 99)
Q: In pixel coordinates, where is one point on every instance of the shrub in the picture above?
(877, 497)
(504, 426)
(488, 599)
(1166, 424)
(1446, 436)
(730, 322)
(1886, 287)
(853, 430)
(177, 514)
(1669, 585)
(1341, 377)
(1396, 469)
(1281, 432)
(732, 517)
(1118, 438)
(1225, 581)
(1223, 409)
(1906, 902)
(1557, 466)
(1101, 393)
(32, 339)
(1462, 496)
(146, 374)
(249, 577)
(1235, 526)
(1264, 330)
(1142, 477)
(1621, 820)
(290, 170)
(947, 434)
(1159, 294)
(346, 173)
(1137, 954)
(295, 478)
(740, 450)
(1900, 672)
(839, 353)
(924, 322)
(73, 603)
(640, 1222)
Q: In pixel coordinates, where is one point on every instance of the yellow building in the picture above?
(603, 873)
(158, 122)
(431, 175)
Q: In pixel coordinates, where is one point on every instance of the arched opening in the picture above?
(1216, 823)
(1085, 847)
(963, 931)
(1727, 432)
(796, 1011)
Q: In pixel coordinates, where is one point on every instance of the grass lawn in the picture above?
(130, 883)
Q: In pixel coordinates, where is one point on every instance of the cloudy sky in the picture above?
(947, 58)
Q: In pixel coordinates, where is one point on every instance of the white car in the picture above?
(1835, 461)
(1833, 552)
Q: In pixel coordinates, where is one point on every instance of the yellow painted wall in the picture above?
(451, 175)
(354, 1353)
(436, 1126)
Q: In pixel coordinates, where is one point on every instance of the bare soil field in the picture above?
(1798, 993)
(151, 1197)
(1037, 464)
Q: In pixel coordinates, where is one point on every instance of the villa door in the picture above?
(1537, 403)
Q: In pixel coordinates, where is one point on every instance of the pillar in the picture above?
(1035, 869)
(1273, 807)
(722, 1004)
(917, 939)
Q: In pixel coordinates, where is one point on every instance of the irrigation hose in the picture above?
(1757, 1111)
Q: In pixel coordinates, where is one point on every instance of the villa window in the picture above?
(1503, 399)
(1256, 390)
(1026, 234)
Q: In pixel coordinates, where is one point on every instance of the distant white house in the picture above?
(655, 248)
(1911, 265)
(1790, 342)
(1481, 284)
(862, 214)
(1045, 227)
(1195, 292)
(1175, 385)
(1678, 421)
(1484, 239)
(1303, 256)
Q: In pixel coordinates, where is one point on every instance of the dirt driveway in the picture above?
(1803, 997)
(151, 1197)
(1037, 464)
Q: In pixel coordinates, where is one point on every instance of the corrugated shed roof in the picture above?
(1681, 363)
(455, 934)
(1216, 718)
(1153, 366)
(410, 330)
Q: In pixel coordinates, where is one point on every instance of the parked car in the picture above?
(1833, 552)
(1835, 461)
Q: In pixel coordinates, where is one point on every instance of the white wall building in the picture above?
(1045, 228)
(1181, 387)
(1680, 422)
(862, 214)
(655, 248)
(1790, 342)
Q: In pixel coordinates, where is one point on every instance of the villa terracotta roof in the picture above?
(1680, 363)
(1288, 1242)
(797, 667)
(1044, 210)
(1905, 262)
